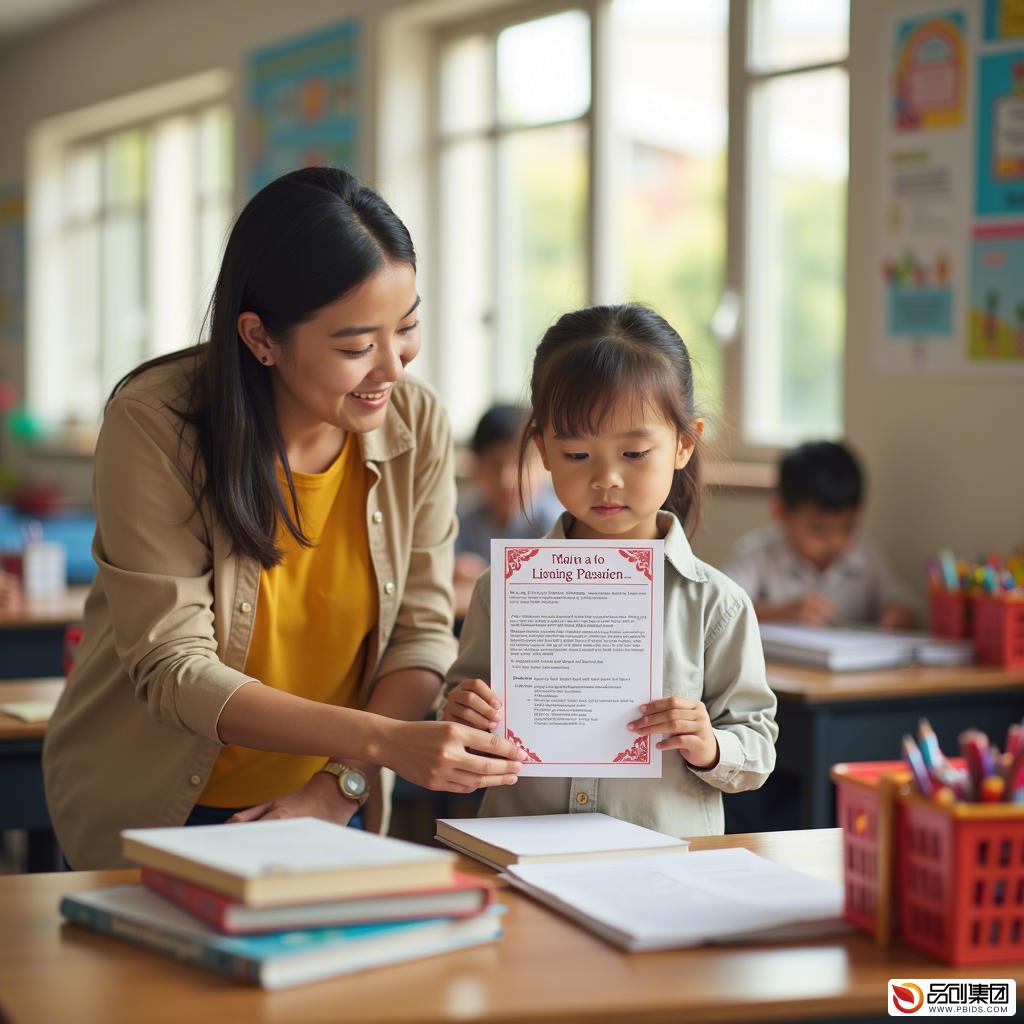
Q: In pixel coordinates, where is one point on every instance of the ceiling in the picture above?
(18, 17)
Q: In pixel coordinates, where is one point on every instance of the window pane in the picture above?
(213, 136)
(542, 269)
(214, 223)
(467, 375)
(544, 69)
(790, 33)
(796, 216)
(82, 182)
(123, 316)
(82, 376)
(670, 123)
(466, 85)
(124, 168)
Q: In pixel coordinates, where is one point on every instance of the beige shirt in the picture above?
(859, 584)
(170, 614)
(712, 653)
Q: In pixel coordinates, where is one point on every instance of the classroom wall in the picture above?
(942, 467)
(121, 48)
(943, 451)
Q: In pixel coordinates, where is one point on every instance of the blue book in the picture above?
(279, 960)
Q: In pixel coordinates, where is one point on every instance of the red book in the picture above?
(465, 897)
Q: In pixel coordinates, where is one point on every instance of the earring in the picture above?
(263, 360)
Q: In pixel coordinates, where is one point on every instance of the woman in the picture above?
(274, 528)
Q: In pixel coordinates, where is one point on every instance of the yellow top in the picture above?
(314, 612)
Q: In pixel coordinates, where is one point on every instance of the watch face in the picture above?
(353, 783)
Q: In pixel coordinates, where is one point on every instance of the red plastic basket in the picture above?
(950, 613)
(859, 797)
(999, 630)
(961, 880)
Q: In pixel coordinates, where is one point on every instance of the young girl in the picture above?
(613, 419)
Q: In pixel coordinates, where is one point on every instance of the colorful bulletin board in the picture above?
(303, 104)
(951, 252)
(12, 266)
(1004, 19)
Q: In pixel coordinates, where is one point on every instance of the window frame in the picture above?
(50, 145)
(744, 80)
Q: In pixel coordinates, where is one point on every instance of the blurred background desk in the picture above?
(32, 637)
(827, 717)
(22, 799)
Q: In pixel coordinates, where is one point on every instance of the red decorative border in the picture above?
(641, 559)
(515, 557)
(531, 756)
(639, 753)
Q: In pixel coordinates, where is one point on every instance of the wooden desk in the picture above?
(544, 971)
(22, 800)
(826, 717)
(32, 637)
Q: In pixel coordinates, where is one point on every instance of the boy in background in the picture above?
(496, 512)
(809, 566)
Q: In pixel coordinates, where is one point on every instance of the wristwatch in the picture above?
(351, 781)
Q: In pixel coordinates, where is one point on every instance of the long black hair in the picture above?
(301, 243)
(592, 360)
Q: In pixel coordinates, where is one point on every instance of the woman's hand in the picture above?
(686, 726)
(318, 798)
(451, 757)
(473, 703)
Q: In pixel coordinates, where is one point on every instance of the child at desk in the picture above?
(613, 420)
(497, 512)
(809, 566)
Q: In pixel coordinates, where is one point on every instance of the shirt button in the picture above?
(378, 516)
(582, 798)
(245, 607)
(195, 779)
(389, 587)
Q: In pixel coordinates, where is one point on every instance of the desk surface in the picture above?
(26, 689)
(816, 686)
(56, 611)
(545, 970)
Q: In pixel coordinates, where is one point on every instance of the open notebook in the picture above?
(670, 902)
(850, 650)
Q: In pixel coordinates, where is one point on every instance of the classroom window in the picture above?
(582, 155)
(796, 109)
(130, 229)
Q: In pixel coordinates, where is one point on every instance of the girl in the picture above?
(274, 524)
(613, 419)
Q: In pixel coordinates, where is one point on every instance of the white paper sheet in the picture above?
(666, 901)
(576, 648)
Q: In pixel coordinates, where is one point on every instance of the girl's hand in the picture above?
(473, 703)
(318, 798)
(686, 726)
(451, 757)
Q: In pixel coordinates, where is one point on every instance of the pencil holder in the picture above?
(950, 613)
(999, 630)
(949, 880)
(866, 810)
(961, 880)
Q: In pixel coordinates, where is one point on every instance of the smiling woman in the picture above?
(271, 617)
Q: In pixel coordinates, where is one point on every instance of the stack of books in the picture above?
(280, 903)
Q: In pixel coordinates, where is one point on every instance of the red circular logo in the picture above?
(908, 997)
